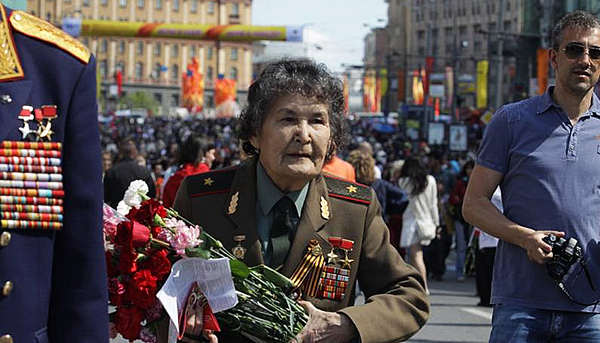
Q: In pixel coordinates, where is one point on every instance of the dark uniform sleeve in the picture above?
(79, 299)
(396, 305)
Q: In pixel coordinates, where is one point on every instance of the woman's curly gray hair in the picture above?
(289, 77)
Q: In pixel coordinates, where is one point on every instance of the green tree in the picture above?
(139, 100)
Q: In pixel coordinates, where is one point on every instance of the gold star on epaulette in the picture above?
(208, 181)
(351, 189)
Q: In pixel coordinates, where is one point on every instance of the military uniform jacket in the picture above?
(223, 202)
(58, 277)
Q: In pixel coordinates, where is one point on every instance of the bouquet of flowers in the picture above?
(143, 240)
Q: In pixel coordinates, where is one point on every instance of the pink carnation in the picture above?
(181, 236)
(110, 220)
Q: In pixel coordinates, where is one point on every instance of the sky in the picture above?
(338, 27)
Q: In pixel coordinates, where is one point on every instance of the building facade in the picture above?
(155, 66)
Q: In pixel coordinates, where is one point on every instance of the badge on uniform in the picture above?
(334, 277)
(31, 188)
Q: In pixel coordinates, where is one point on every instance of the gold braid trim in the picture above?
(35, 27)
(10, 67)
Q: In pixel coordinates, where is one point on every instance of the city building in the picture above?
(459, 33)
(155, 66)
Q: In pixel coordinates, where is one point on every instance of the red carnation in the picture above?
(147, 211)
(140, 235)
(127, 263)
(115, 291)
(129, 322)
(158, 263)
(111, 269)
(124, 234)
(142, 289)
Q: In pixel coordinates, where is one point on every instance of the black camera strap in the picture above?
(589, 278)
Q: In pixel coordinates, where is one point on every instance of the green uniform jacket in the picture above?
(396, 304)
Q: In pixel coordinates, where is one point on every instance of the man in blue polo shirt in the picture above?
(544, 153)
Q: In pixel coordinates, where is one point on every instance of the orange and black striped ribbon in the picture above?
(307, 273)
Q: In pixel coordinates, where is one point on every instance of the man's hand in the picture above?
(539, 251)
(325, 326)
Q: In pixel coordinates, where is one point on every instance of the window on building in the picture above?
(48, 16)
(158, 97)
(121, 66)
(234, 54)
(139, 70)
(175, 100)
(507, 26)
(209, 53)
(103, 67)
(234, 73)
(194, 6)
(507, 5)
(86, 3)
(157, 49)
(209, 73)
(193, 51)
(159, 4)
(140, 48)
(67, 1)
(141, 4)
(157, 70)
(121, 47)
(123, 3)
(174, 72)
(211, 7)
(175, 5)
(462, 31)
(104, 3)
(175, 51)
(103, 46)
(235, 8)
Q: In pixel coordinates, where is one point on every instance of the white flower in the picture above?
(122, 208)
(132, 196)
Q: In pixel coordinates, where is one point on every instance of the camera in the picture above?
(565, 253)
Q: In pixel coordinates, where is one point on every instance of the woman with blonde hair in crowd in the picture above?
(421, 217)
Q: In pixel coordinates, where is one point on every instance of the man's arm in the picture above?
(479, 211)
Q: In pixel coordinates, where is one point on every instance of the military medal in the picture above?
(306, 275)
(26, 115)
(333, 280)
(47, 113)
(239, 251)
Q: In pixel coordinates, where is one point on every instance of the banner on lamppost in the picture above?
(417, 88)
(449, 86)
(542, 70)
(482, 83)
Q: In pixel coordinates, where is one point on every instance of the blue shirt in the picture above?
(551, 182)
(268, 195)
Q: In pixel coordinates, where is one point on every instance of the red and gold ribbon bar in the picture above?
(30, 176)
(30, 160)
(10, 199)
(30, 153)
(29, 168)
(30, 208)
(29, 224)
(31, 145)
(43, 193)
(330, 295)
(45, 217)
(30, 184)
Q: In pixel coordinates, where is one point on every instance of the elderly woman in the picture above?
(277, 205)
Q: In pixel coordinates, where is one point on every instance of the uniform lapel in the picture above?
(243, 189)
(311, 222)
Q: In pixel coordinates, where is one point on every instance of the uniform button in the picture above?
(5, 238)
(6, 339)
(5, 99)
(7, 289)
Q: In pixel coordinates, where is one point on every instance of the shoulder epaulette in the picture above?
(211, 182)
(35, 27)
(10, 66)
(343, 189)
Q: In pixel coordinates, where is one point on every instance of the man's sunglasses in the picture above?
(576, 50)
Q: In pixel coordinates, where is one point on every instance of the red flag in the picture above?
(119, 80)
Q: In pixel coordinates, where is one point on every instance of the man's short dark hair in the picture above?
(289, 77)
(577, 19)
